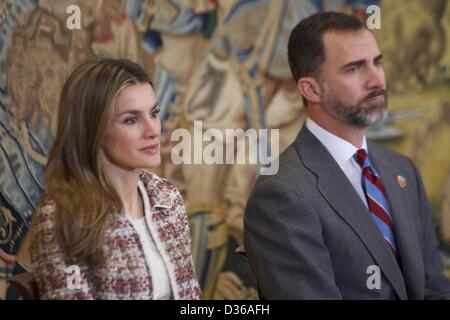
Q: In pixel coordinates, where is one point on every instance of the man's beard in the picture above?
(363, 114)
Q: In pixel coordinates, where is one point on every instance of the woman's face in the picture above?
(132, 139)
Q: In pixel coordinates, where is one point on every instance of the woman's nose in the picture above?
(152, 127)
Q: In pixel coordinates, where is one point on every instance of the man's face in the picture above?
(353, 84)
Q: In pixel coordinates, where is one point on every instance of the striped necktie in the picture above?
(377, 200)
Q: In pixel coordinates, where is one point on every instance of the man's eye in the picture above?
(155, 112)
(353, 69)
(131, 120)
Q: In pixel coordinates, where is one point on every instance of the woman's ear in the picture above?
(310, 89)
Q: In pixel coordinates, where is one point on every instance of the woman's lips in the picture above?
(151, 149)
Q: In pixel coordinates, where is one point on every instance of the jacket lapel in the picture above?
(340, 194)
(159, 221)
(406, 235)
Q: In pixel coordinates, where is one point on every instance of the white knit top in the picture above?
(155, 263)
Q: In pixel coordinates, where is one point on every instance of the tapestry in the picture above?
(221, 64)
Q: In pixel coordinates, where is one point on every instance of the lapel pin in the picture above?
(402, 182)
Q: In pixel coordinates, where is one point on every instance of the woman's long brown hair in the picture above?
(74, 176)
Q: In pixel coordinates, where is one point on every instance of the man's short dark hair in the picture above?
(305, 49)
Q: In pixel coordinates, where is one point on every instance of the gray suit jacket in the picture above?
(308, 235)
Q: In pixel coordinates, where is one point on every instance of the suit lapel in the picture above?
(340, 194)
(405, 232)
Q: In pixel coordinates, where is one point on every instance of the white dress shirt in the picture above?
(342, 151)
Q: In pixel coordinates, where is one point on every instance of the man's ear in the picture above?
(309, 88)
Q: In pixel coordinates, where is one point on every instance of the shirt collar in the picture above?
(340, 149)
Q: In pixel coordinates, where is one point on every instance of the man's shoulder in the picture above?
(388, 154)
(292, 171)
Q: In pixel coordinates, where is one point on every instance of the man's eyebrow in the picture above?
(134, 112)
(361, 62)
(356, 63)
(378, 58)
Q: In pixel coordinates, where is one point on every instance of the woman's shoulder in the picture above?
(46, 204)
(154, 182)
(43, 220)
(45, 209)
(162, 192)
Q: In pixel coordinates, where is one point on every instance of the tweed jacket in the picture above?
(124, 274)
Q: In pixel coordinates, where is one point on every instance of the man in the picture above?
(343, 218)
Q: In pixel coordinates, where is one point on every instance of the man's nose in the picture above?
(375, 78)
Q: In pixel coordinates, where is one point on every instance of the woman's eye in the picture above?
(132, 120)
(155, 112)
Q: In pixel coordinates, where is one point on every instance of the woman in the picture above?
(106, 228)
